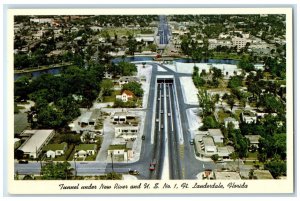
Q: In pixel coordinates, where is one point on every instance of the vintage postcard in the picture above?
(143, 101)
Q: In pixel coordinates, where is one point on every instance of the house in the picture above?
(217, 135)
(84, 150)
(125, 96)
(233, 121)
(89, 118)
(249, 117)
(35, 142)
(120, 151)
(224, 152)
(227, 176)
(262, 174)
(53, 150)
(205, 145)
(254, 140)
(126, 131)
(126, 79)
(88, 136)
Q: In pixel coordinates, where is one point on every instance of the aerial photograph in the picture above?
(150, 97)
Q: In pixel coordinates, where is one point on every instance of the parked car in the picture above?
(133, 172)
(23, 161)
(143, 137)
(191, 142)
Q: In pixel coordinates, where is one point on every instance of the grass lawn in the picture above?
(222, 115)
(223, 55)
(112, 97)
(60, 158)
(237, 113)
(252, 155)
(91, 158)
(71, 155)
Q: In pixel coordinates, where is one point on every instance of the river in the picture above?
(56, 71)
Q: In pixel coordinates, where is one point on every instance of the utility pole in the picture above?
(112, 161)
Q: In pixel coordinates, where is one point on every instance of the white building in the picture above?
(233, 121)
(217, 135)
(239, 42)
(249, 117)
(126, 131)
(33, 146)
(53, 150)
(125, 96)
(120, 150)
(41, 20)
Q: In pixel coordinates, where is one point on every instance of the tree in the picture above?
(134, 87)
(230, 101)
(246, 65)
(276, 167)
(19, 154)
(215, 157)
(56, 171)
(21, 88)
(209, 122)
(127, 69)
(107, 87)
(235, 81)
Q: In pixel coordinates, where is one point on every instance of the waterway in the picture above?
(56, 71)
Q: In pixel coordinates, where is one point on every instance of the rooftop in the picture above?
(54, 147)
(253, 138)
(227, 176)
(127, 92)
(36, 141)
(215, 132)
(262, 174)
(229, 119)
(129, 78)
(208, 141)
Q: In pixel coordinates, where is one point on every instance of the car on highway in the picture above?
(169, 114)
(133, 172)
(191, 142)
(152, 167)
(162, 126)
(161, 111)
(23, 161)
(157, 120)
(158, 99)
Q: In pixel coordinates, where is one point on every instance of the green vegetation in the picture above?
(135, 88)
(57, 98)
(56, 171)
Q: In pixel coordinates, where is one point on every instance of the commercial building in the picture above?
(126, 131)
(120, 150)
(217, 135)
(33, 146)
